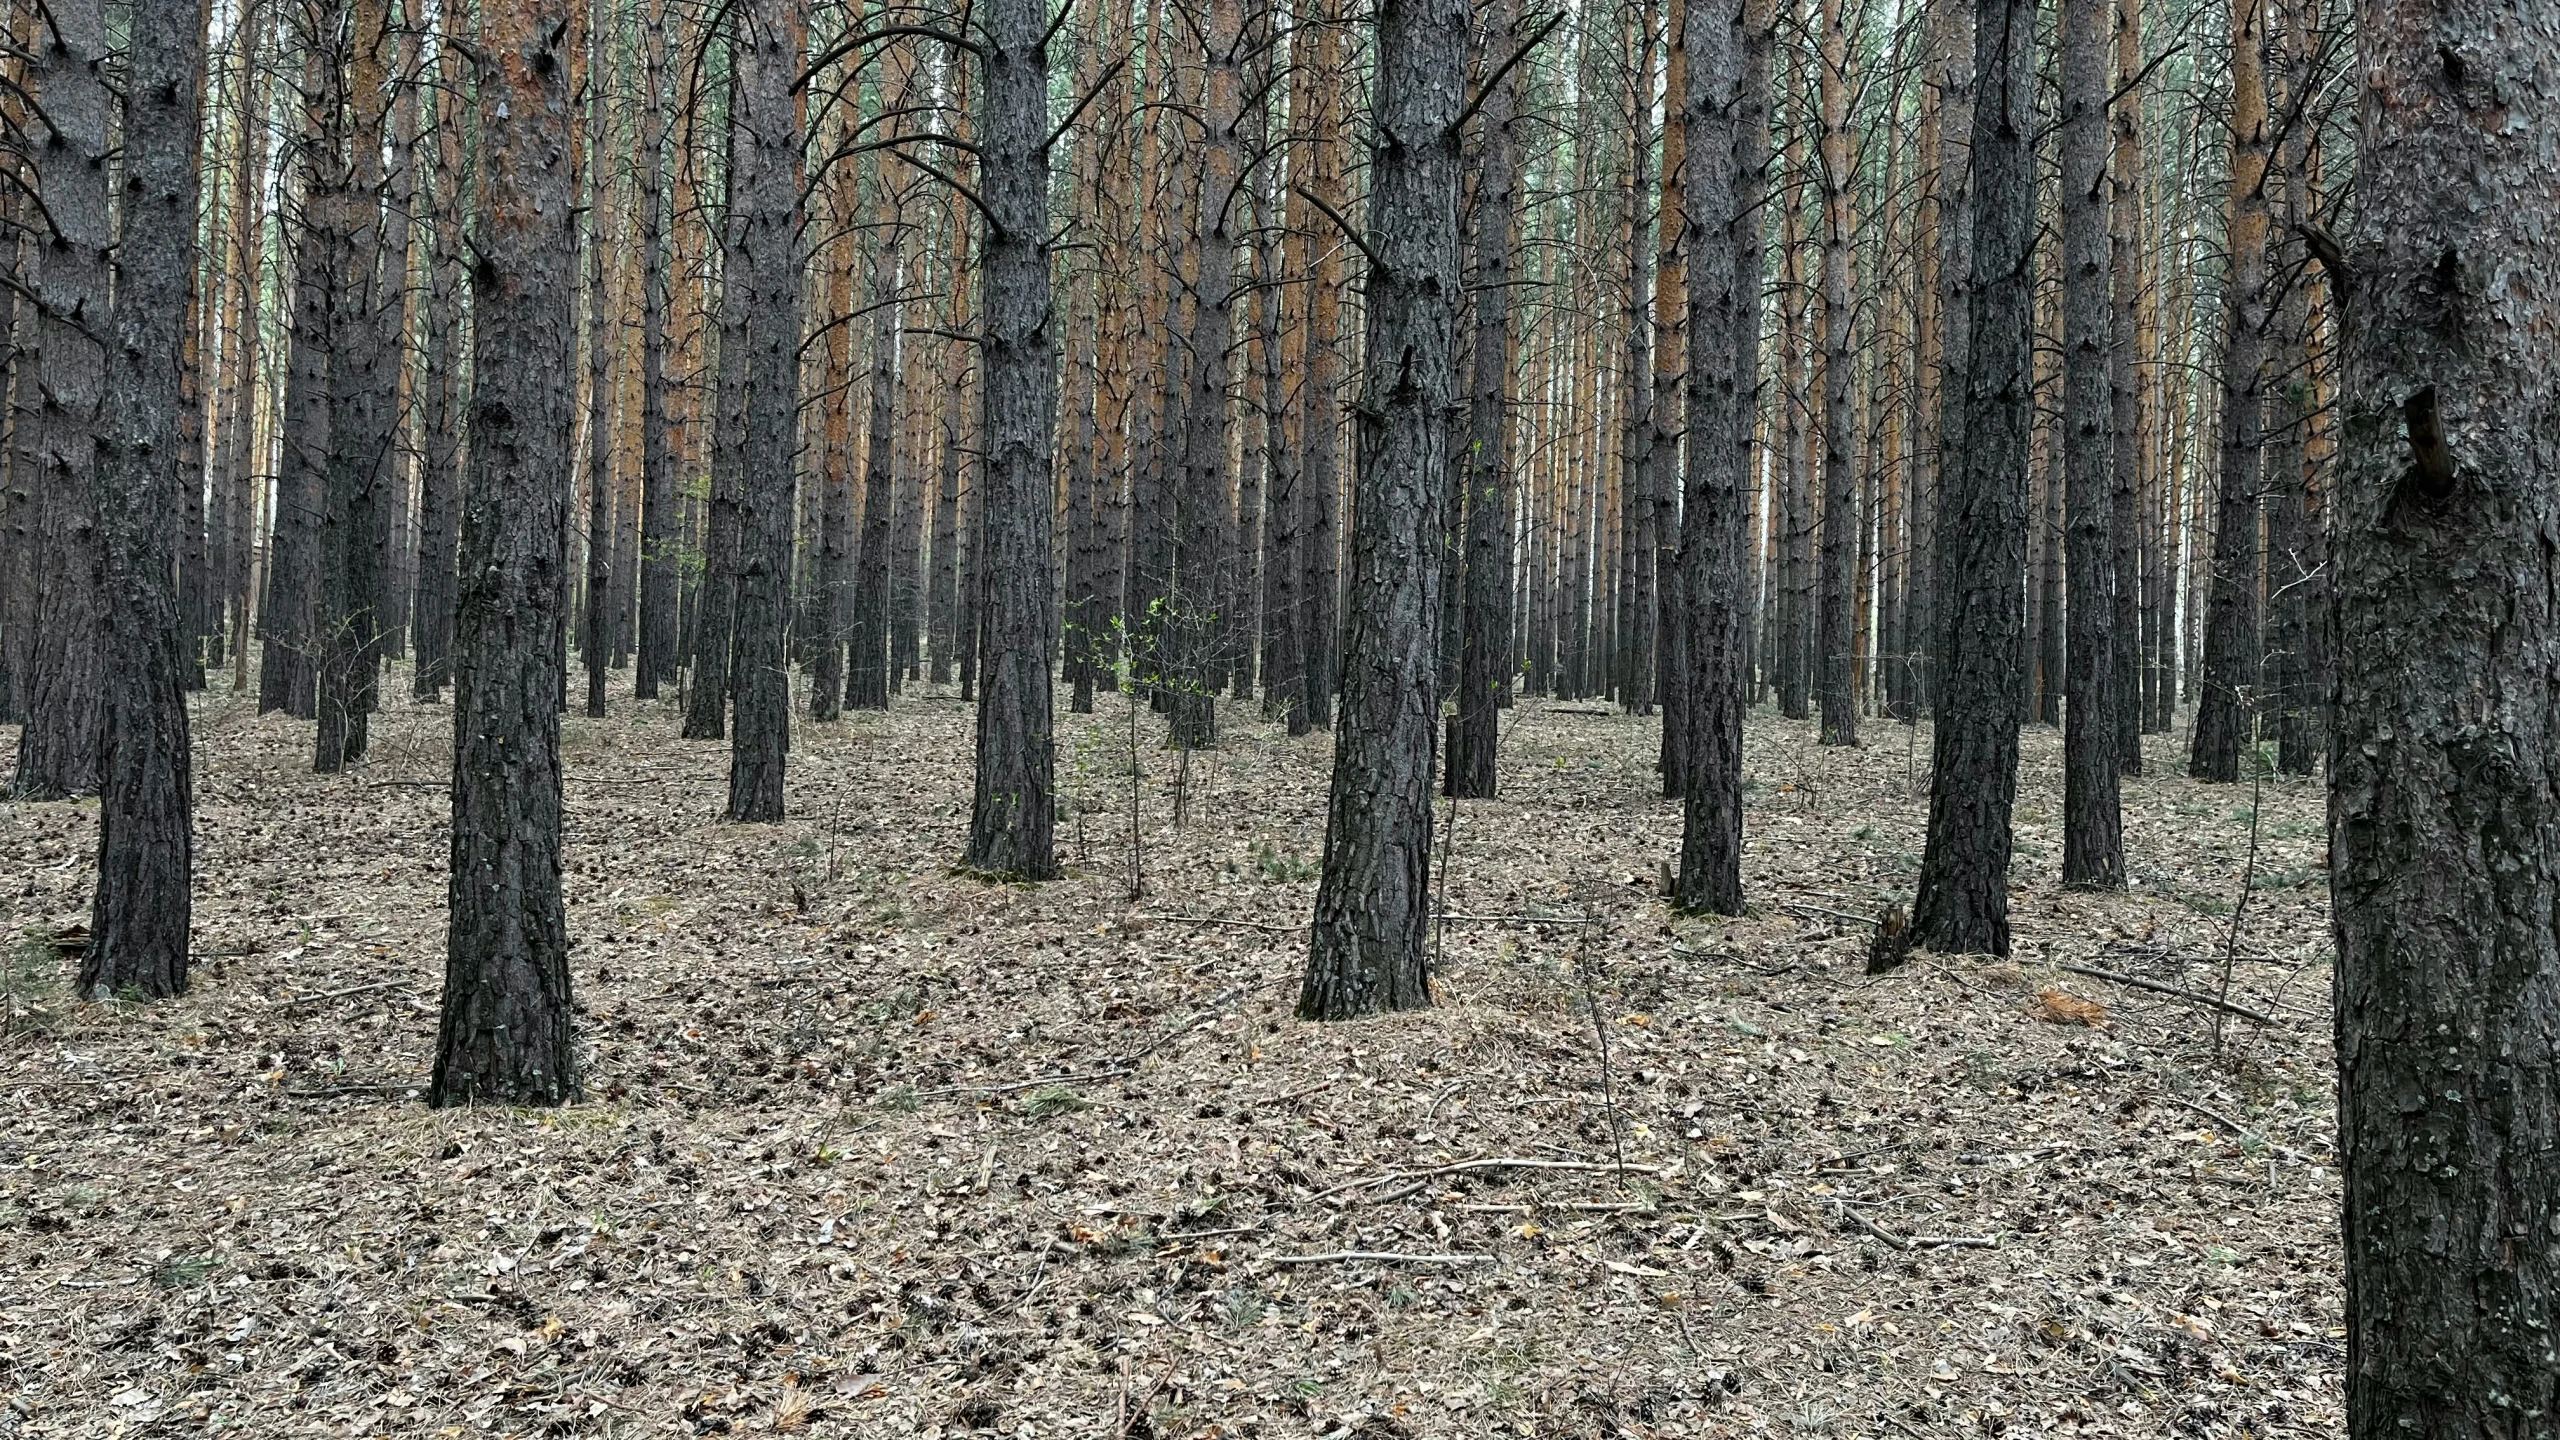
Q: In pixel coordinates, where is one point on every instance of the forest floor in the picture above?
(871, 1148)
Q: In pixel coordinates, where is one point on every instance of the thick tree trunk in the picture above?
(146, 852)
(1484, 641)
(2092, 825)
(364, 409)
(1963, 901)
(2444, 796)
(766, 145)
(1723, 261)
(1013, 810)
(1373, 903)
(505, 1034)
(2224, 705)
(60, 747)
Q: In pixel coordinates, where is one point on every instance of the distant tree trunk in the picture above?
(1715, 532)
(1485, 630)
(836, 518)
(1963, 900)
(1321, 428)
(440, 463)
(1014, 807)
(146, 850)
(1373, 903)
(1670, 357)
(1933, 618)
(1842, 518)
(2092, 825)
(597, 641)
(505, 1035)
(867, 649)
(1195, 628)
(60, 747)
(2127, 267)
(2231, 614)
(1642, 518)
(715, 612)
(2292, 673)
(660, 539)
(2443, 785)
(1281, 316)
(364, 408)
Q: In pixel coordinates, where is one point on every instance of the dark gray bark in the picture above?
(1715, 526)
(505, 1034)
(596, 637)
(1639, 629)
(1963, 900)
(1013, 809)
(765, 149)
(139, 913)
(1484, 632)
(660, 538)
(1373, 904)
(866, 679)
(441, 420)
(288, 678)
(2092, 823)
(1933, 608)
(2444, 799)
(2124, 383)
(1195, 627)
(60, 746)
(715, 611)
(1843, 517)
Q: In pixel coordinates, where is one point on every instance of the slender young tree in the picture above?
(2444, 768)
(441, 455)
(1963, 900)
(1372, 919)
(505, 1034)
(2092, 825)
(1013, 811)
(146, 854)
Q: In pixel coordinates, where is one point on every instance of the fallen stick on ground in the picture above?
(1384, 1257)
(2158, 988)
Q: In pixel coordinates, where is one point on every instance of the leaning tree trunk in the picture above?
(505, 1033)
(2444, 792)
(1715, 528)
(1963, 901)
(1373, 903)
(146, 855)
(2224, 703)
(59, 748)
(1014, 807)
(1484, 632)
(2092, 824)
(766, 145)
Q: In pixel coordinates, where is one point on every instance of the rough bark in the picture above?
(1013, 809)
(2224, 704)
(505, 1034)
(1321, 425)
(660, 542)
(1835, 679)
(139, 913)
(60, 746)
(1373, 903)
(2444, 796)
(1963, 900)
(596, 637)
(2092, 822)
(440, 459)
(2127, 267)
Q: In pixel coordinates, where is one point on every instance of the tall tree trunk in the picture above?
(2293, 695)
(715, 613)
(2127, 268)
(1841, 515)
(1670, 357)
(1723, 262)
(2231, 615)
(765, 155)
(441, 459)
(2443, 790)
(660, 539)
(1640, 633)
(867, 640)
(1013, 809)
(1963, 901)
(597, 639)
(2092, 824)
(1321, 424)
(146, 847)
(364, 408)
(59, 748)
(505, 1034)
(1373, 902)
(836, 519)
(1485, 631)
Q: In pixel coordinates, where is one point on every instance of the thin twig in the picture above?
(2158, 988)
(1387, 1257)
